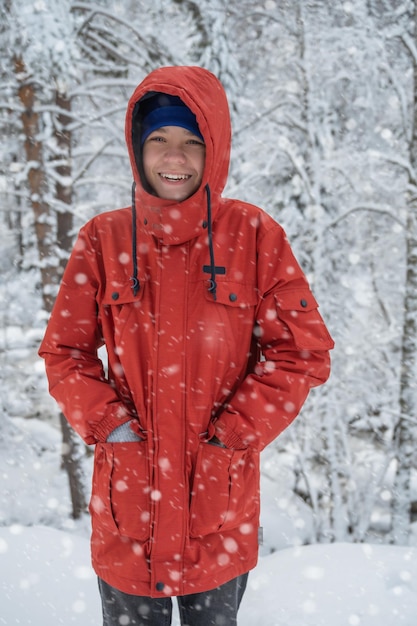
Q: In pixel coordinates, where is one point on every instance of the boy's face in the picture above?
(173, 162)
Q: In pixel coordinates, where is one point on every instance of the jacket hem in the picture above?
(143, 588)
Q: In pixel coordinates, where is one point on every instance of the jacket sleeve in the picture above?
(294, 343)
(70, 349)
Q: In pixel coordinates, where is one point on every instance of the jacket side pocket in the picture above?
(120, 500)
(225, 490)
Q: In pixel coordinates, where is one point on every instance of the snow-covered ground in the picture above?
(46, 580)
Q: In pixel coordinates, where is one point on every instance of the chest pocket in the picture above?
(120, 293)
(233, 294)
(298, 310)
(120, 308)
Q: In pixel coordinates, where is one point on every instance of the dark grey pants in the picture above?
(217, 607)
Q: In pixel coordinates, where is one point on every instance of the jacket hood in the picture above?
(171, 221)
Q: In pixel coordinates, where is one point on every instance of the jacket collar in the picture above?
(171, 222)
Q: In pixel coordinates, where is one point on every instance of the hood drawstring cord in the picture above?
(134, 277)
(213, 285)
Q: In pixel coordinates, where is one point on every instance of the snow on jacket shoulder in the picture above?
(185, 297)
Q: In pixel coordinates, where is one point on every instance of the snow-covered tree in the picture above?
(406, 426)
(323, 140)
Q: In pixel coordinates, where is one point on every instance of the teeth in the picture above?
(175, 176)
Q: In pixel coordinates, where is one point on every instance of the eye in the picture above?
(156, 138)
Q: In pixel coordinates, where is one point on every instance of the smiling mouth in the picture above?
(175, 177)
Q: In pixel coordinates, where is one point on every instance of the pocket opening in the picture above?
(120, 499)
(224, 491)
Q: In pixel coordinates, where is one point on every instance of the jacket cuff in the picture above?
(103, 428)
(228, 438)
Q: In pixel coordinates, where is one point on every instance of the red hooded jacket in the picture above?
(185, 296)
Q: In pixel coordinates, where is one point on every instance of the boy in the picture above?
(185, 289)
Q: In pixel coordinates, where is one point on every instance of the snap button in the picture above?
(115, 295)
(159, 586)
(303, 303)
(232, 297)
(204, 224)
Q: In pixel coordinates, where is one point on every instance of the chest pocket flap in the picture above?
(233, 294)
(118, 293)
(298, 310)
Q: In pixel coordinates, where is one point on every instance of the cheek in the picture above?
(147, 166)
(200, 166)
(148, 157)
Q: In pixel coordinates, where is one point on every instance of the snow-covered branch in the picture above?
(387, 211)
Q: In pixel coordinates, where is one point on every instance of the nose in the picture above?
(174, 154)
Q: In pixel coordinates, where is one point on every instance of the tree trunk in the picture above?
(63, 187)
(73, 453)
(36, 180)
(406, 428)
(51, 270)
(73, 448)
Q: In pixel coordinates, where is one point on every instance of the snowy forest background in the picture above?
(324, 109)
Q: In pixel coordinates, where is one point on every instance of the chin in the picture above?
(177, 196)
